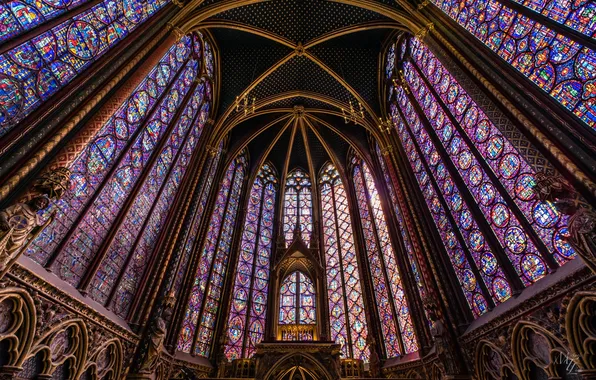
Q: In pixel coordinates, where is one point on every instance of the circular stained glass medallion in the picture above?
(469, 280)
(470, 118)
(487, 194)
(533, 267)
(456, 202)
(480, 304)
(465, 219)
(459, 258)
(489, 263)
(475, 175)
(560, 242)
(524, 187)
(82, 40)
(482, 131)
(545, 214)
(501, 289)
(137, 107)
(500, 215)
(509, 165)
(494, 147)
(465, 159)
(516, 239)
(163, 75)
(476, 240)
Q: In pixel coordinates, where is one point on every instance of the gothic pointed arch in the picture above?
(126, 178)
(476, 181)
(197, 333)
(248, 309)
(297, 210)
(346, 303)
(396, 323)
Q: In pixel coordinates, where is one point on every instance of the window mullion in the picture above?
(341, 271)
(547, 255)
(448, 213)
(171, 168)
(58, 251)
(216, 247)
(382, 262)
(252, 277)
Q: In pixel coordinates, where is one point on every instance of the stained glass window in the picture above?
(159, 190)
(33, 71)
(126, 180)
(506, 162)
(297, 298)
(346, 304)
(394, 314)
(246, 321)
(298, 207)
(557, 64)
(198, 325)
(401, 223)
(191, 239)
(454, 149)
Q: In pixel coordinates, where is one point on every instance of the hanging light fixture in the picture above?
(400, 81)
(385, 126)
(354, 116)
(245, 104)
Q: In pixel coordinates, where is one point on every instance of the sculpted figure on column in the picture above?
(16, 224)
(20, 221)
(582, 221)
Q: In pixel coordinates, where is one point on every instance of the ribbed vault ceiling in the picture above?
(303, 60)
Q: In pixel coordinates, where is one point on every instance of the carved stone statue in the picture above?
(53, 183)
(19, 220)
(158, 332)
(222, 358)
(442, 343)
(16, 224)
(582, 235)
(374, 364)
(582, 221)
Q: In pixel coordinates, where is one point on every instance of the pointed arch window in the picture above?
(297, 300)
(125, 181)
(198, 325)
(555, 60)
(346, 303)
(476, 183)
(246, 321)
(401, 223)
(394, 313)
(191, 239)
(33, 71)
(298, 207)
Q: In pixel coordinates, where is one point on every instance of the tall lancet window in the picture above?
(55, 54)
(346, 305)
(198, 326)
(297, 300)
(535, 39)
(298, 207)
(246, 322)
(125, 180)
(401, 223)
(477, 184)
(394, 314)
